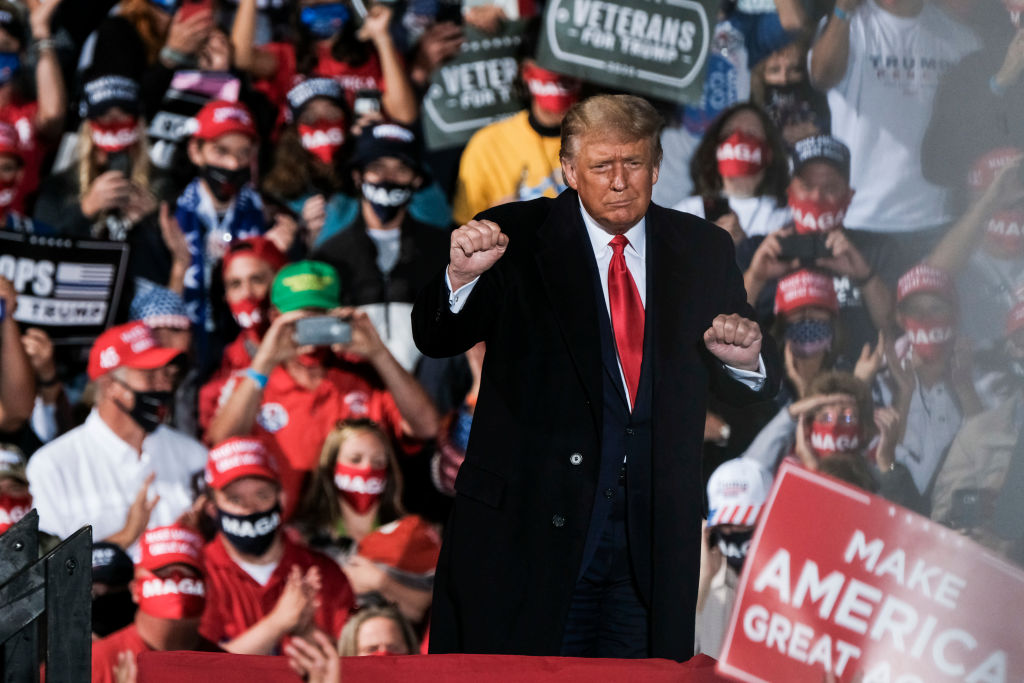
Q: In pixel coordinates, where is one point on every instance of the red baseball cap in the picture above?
(218, 118)
(237, 457)
(409, 544)
(174, 544)
(1015, 319)
(925, 279)
(257, 247)
(131, 345)
(805, 288)
(984, 169)
(10, 143)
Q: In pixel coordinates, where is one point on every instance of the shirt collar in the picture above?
(599, 238)
(103, 432)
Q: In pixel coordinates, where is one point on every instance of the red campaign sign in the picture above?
(840, 579)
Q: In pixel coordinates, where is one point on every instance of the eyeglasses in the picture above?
(847, 416)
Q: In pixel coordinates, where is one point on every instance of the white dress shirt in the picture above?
(635, 254)
(91, 476)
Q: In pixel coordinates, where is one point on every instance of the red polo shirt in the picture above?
(234, 601)
(298, 420)
(235, 360)
(105, 651)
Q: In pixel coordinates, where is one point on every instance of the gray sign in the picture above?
(474, 89)
(656, 48)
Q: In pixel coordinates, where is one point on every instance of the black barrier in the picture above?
(45, 601)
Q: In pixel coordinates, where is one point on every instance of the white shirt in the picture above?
(881, 109)
(91, 476)
(635, 255)
(757, 215)
(260, 573)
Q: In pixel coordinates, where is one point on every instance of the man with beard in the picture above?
(386, 255)
(93, 473)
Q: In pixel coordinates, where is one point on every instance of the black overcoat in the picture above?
(513, 545)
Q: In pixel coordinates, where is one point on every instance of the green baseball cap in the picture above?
(305, 284)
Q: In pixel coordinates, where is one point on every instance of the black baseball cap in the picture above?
(822, 148)
(387, 140)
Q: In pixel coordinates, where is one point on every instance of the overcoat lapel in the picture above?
(565, 261)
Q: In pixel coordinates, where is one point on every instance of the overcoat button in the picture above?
(558, 521)
(576, 459)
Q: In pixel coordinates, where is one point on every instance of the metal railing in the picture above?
(45, 602)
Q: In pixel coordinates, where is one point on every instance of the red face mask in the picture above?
(552, 92)
(829, 438)
(322, 139)
(1005, 234)
(929, 338)
(314, 359)
(817, 216)
(742, 155)
(360, 487)
(175, 597)
(114, 137)
(12, 509)
(251, 314)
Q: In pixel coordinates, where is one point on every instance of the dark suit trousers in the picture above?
(607, 617)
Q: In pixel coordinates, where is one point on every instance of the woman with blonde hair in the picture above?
(353, 512)
(377, 631)
(106, 194)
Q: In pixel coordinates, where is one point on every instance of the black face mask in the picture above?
(387, 199)
(112, 612)
(250, 534)
(150, 409)
(734, 547)
(224, 183)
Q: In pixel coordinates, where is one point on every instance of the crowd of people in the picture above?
(265, 457)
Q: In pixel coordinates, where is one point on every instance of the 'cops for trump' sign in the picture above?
(70, 288)
(841, 580)
(656, 48)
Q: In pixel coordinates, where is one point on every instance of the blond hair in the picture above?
(348, 642)
(621, 117)
(89, 170)
(320, 505)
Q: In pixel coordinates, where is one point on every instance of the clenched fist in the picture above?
(735, 341)
(475, 247)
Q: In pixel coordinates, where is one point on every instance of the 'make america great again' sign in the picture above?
(656, 48)
(841, 580)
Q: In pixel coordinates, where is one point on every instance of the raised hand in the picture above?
(314, 658)
(138, 515)
(293, 605)
(734, 340)
(870, 361)
(39, 348)
(475, 247)
(766, 264)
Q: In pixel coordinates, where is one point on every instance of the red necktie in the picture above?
(627, 316)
